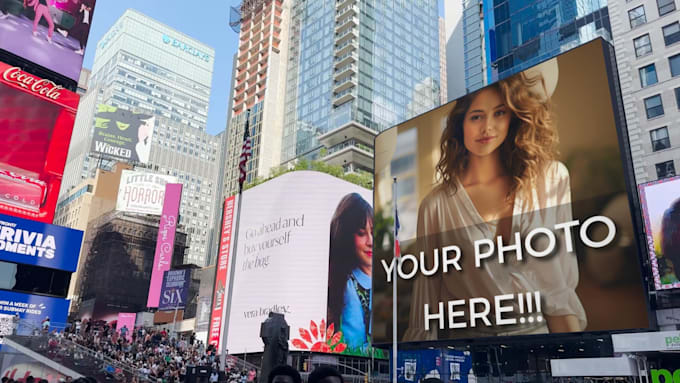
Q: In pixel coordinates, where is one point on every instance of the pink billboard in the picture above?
(165, 242)
(126, 320)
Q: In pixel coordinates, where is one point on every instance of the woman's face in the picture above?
(363, 243)
(486, 123)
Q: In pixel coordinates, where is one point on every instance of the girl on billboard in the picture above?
(499, 176)
(41, 10)
(349, 274)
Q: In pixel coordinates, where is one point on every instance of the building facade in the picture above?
(454, 50)
(647, 44)
(259, 73)
(355, 69)
(124, 246)
(474, 51)
(519, 34)
(442, 62)
(145, 66)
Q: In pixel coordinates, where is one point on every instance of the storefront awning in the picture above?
(647, 341)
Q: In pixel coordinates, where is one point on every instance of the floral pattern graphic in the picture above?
(320, 339)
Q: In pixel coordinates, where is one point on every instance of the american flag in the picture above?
(246, 152)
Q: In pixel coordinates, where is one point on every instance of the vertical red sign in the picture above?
(220, 289)
(165, 242)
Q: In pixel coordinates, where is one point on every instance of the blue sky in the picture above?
(206, 21)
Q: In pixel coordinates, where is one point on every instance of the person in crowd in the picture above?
(350, 265)
(284, 374)
(325, 374)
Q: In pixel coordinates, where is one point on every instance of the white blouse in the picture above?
(447, 217)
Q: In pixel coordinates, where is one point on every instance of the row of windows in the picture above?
(648, 75)
(637, 15)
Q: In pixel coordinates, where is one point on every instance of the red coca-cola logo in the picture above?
(46, 88)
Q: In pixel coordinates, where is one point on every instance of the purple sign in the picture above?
(175, 290)
(165, 243)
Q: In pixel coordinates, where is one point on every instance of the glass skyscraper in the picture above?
(146, 66)
(356, 68)
(519, 34)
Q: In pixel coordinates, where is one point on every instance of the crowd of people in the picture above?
(151, 354)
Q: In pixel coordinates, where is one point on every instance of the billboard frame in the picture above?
(631, 189)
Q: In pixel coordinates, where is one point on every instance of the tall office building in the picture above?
(647, 44)
(525, 33)
(454, 49)
(259, 74)
(355, 69)
(145, 66)
(473, 48)
(442, 61)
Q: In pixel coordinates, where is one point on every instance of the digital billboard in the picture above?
(142, 192)
(304, 250)
(39, 244)
(33, 309)
(660, 202)
(122, 135)
(52, 34)
(174, 290)
(36, 120)
(515, 210)
(165, 242)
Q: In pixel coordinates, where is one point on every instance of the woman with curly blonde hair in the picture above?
(499, 179)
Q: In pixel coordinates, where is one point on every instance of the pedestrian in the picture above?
(284, 374)
(124, 331)
(214, 377)
(15, 324)
(46, 325)
(325, 374)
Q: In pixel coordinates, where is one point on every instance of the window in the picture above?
(665, 169)
(654, 106)
(674, 62)
(665, 6)
(677, 97)
(671, 33)
(660, 139)
(643, 46)
(637, 16)
(648, 75)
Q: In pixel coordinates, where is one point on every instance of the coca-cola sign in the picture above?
(43, 87)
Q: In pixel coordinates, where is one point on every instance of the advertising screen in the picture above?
(122, 135)
(217, 314)
(660, 202)
(36, 121)
(514, 210)
(414, 366)
(40, 244)
(52, 33)
(165, 242)
(175, 290)
(141, 192)
(304, 250)
(126, 320)
(33, 309)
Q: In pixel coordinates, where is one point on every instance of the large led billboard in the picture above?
(36, 121)
(52, 34)
(304, 250)
(514, 210)
(660, 202)
(142, 192)
(122, 135)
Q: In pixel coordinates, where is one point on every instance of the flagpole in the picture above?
(232, 269)
(394, 286)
